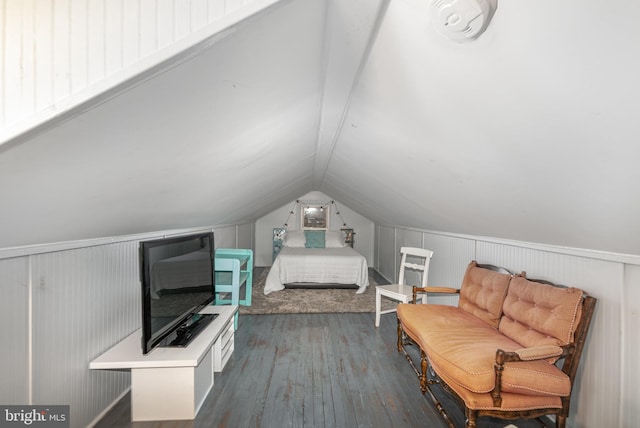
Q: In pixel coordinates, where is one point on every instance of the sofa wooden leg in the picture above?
(440, 408)
(424, 366)
(472, 416)
(400, 344)
(561, 421)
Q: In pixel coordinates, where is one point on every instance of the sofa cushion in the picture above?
(510, 401)
(462, 347)
(456, 342)
(535, 378)
(482, 293)
(537, 314)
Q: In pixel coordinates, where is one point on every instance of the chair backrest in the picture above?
(422, 267)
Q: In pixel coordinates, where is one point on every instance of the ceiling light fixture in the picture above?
(462, 20)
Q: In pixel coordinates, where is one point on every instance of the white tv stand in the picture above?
(172, 383)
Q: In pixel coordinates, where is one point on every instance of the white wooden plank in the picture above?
(14, 316)
(43, 61)
(148, 27)
(61, 49)
(451, 255)
(232, 5)
(130, 30)
(96, 40)
(165, 23)
(182, 19)
(3, 83)
(225, 237)
(386, 252)
(631, 349)
(113, 37)
(245, 234)
(28, 63)
(13, 59)
(79, 48)
(215, 9)
(199, 14)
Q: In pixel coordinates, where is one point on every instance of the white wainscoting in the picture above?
(84, 300)
(631, 346)
(14, 334)
(66, 304)
(605, 387)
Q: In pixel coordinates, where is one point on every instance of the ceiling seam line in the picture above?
(326, 42)
(370, 42)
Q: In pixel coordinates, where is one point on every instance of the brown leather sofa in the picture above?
(510, 349)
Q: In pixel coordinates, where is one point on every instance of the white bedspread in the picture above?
(319, 265)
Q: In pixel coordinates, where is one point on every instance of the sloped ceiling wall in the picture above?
(220, 138)
(528, 133)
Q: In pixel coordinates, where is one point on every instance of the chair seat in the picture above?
(402, 292)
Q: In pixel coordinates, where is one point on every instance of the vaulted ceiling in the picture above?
(529, 132)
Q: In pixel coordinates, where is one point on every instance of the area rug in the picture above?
(311, 301)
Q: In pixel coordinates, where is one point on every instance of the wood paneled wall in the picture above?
(57, 54)
(605, 395)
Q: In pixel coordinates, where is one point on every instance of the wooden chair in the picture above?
(401, 292)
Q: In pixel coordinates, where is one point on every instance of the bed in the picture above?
(332, 266)
(184, 271)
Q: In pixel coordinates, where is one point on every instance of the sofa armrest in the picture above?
(525, 354)
(539, 352)
(430, 289)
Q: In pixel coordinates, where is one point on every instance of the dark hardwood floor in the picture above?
(322, 370)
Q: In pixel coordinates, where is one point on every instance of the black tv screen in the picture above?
(177, 277)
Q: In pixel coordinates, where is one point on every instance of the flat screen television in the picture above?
(177, 278)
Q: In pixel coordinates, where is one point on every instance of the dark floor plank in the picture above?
(313, 371)
(316, 380)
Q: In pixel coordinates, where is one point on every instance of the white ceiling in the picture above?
(528, 133)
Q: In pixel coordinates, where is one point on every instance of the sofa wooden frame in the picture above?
(568, 361)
